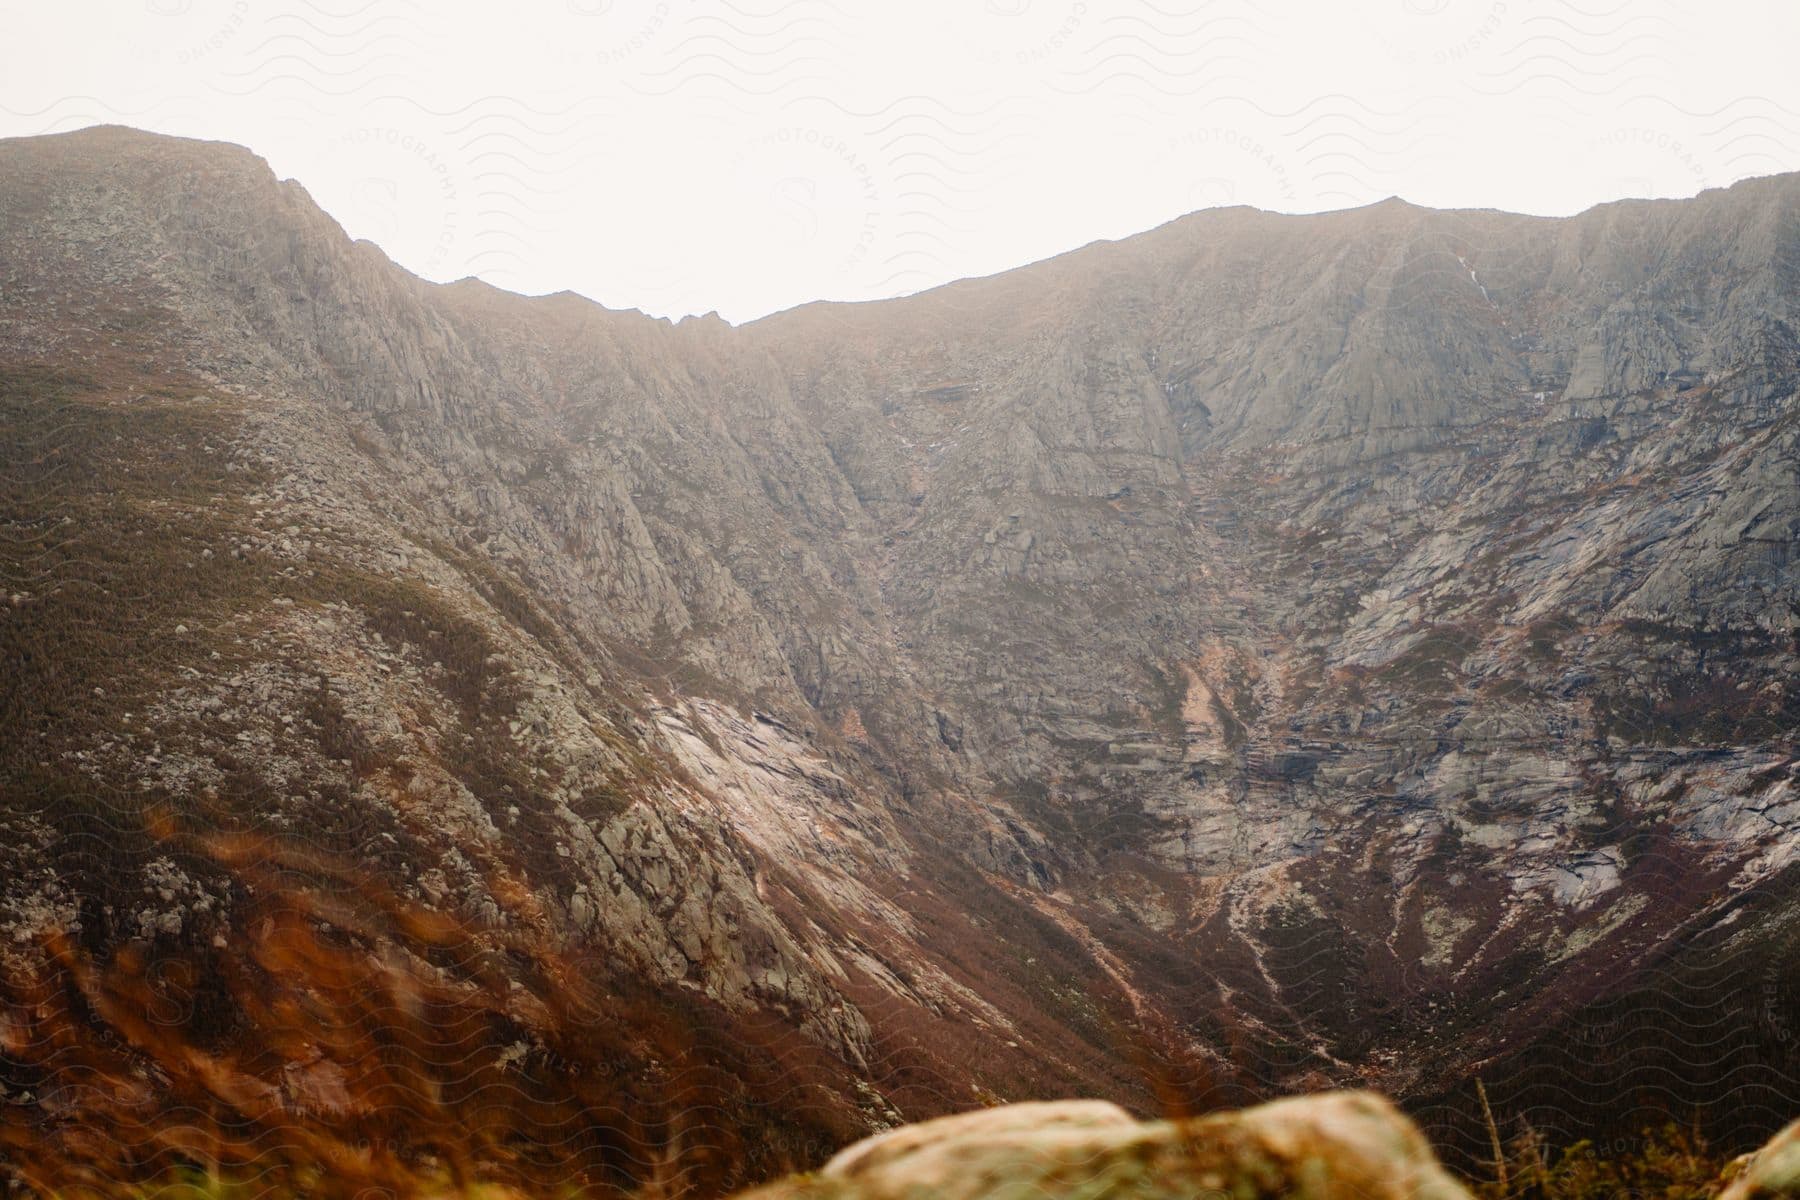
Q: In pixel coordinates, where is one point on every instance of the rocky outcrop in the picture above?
(1772, 1173)
(1344, 1145)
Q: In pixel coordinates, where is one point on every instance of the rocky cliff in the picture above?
(1262, 652)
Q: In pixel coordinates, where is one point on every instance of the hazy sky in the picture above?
(682, 155)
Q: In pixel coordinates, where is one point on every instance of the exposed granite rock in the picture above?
(1772, 1173)
(1343, 1145)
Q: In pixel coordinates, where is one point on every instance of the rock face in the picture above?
(1313, 1148)
(1266, 651)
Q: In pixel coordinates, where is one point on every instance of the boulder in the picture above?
(1339, 1144)
(1772, 1173)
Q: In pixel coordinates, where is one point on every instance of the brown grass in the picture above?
(345, 1040)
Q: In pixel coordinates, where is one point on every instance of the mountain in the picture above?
(1265, 652)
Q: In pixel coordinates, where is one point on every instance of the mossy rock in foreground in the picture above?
(1340, 1144)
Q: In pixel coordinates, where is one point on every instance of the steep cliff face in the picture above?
(1346, 647)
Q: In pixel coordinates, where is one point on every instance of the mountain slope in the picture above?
(1265, 650)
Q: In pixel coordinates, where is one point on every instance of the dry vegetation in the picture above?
(349, 1041)
(1672, 1162)
(333, 1038)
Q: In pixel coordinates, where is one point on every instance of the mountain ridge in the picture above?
(1354, 650)
(1389, 202)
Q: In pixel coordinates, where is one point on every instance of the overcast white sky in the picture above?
(681, 156)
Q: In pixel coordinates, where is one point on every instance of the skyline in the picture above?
(681, 158)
